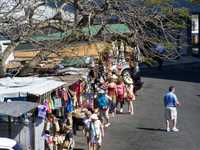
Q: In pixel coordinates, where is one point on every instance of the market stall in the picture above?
(50, 95)
(15, 128)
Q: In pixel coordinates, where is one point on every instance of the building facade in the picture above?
(195, 34)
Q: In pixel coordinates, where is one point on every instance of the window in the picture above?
(195, 39)
(195, 24)
(195, 51)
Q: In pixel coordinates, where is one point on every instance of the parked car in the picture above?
(9, 144)
(124, 68)
(135, 75)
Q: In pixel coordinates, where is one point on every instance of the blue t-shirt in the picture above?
(170, 99)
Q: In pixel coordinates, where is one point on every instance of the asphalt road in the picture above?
(146, 129)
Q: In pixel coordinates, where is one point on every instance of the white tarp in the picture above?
(13, 87)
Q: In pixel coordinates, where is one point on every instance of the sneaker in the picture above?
(175, 129)
(168, 129)
(107, 124)
(113, 114)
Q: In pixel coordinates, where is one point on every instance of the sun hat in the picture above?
(128, 80)
(101, 91)
(94, 117)
(114, 76)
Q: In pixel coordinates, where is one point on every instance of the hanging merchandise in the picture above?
(42, 111)
(50, 106)
(71, 94)
(57, 102)
(65, 97)
(69, 105)
(46, 103)
(52, 102)
(59, 93)
(64, 94)
(76, 87)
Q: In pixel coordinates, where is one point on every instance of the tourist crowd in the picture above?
(91, 102)
(110, 93)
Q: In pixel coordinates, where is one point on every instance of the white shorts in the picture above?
(170, 113)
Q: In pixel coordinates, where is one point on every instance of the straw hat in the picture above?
(114, 76)
(128, 80)
(94, 117)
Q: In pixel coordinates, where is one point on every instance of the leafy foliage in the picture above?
(149, 21)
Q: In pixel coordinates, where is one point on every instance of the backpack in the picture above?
(102, 102)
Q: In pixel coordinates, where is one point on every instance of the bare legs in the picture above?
(92, 146)
(174, 123)
(167, 125)
(130, 107)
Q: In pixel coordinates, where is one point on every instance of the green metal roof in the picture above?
(74, 62)
(118, 28)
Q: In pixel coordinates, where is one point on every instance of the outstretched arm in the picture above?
(177, 101)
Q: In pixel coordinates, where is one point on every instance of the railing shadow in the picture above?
(152, 129)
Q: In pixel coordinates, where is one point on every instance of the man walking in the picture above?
(170, 102)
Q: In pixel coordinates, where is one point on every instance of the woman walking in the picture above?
(103, 104)
(120, 94)
(112, 91)
(96, 133)
(130, 95)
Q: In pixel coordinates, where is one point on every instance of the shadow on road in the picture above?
(78, 149)
(152, 129)
(183, 72)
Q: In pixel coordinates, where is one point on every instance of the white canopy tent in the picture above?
(13, 87)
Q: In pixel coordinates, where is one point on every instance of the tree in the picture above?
(149, 23)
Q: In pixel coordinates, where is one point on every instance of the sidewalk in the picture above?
(80, 141)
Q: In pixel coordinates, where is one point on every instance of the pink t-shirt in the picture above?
(120, 89)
